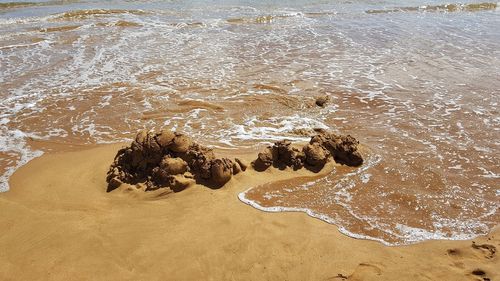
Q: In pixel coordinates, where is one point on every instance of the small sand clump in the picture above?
(321, 101)
(169, 160)
(242, 164)
(264, 159)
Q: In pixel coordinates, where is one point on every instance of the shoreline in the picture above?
(60, 223)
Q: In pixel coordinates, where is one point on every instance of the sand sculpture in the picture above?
(169, 159)
(314, 155)
(173, 160)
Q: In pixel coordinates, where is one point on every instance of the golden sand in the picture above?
(58, 223)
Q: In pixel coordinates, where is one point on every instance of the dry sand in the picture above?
(58, 223)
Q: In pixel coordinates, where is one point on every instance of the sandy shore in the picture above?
(58, 223)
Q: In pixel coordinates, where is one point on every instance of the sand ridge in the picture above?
(58, 223)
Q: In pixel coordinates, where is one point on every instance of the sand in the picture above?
(58, 223)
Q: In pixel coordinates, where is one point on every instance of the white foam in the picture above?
(489, 174)
(23, 20)
(365, 178)
(21, 45)
(14, 142)
(272, 129)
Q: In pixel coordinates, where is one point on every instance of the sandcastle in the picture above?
(173, 160)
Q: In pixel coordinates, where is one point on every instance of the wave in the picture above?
(60, 28)
(448, 8)
(85, 14)
(10, 5)
(264, 19)
(16, 5)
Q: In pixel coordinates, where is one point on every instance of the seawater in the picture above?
(417, 82)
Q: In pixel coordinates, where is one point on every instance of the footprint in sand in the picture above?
(488, 250)
(363, 272)
(467, 257)
(481, 274)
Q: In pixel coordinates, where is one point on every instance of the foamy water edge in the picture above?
(420, 234)
(15, 141)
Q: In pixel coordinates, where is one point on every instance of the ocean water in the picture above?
(417, 82)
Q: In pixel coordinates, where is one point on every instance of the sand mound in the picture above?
(173, 160)
(321, 101)
(322, 147)
(344, 149)
(169, 160)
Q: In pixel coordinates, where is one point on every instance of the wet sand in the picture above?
(58, 223)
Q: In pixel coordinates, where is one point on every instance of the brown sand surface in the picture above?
(58, 223)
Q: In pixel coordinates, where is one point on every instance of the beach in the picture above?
(58, 223)
(249, 140)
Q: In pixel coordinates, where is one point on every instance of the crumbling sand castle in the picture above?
(172, 160)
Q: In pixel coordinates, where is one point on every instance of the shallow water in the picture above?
(416, 82)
